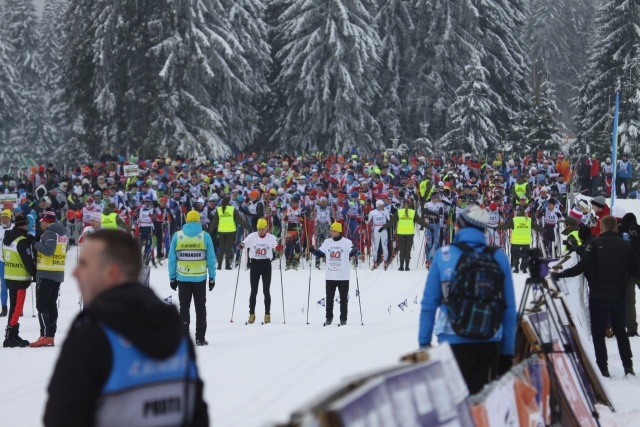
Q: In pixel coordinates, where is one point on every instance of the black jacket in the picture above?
(607, 262)
(25, 251)
(84, 364)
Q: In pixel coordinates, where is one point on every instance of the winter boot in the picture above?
(267, 318)
(42, 342)
(202, 342)
(4, 311)
(375, 265)
(12, 339)
(252, 318)
(629, 371)
(401, 266)
(343, 322)
(386, 265)
(328, 321)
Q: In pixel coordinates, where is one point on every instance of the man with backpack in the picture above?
(472, 285)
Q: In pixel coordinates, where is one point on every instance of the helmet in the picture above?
(379, 203)
(240, 198)
(493, 206)
(154, 182)
(313, 193)
(254, 194)
(200, 201)
(273, 192)
(147, 199)
(164, 199)
(295, 199)
(280, 191)
(354, 195)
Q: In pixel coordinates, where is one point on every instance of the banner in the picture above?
(11, 197)
(130, 170)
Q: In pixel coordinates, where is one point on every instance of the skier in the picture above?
(261, 246)
(322, 217)
(379, 217)
(96, 224)
(337, 251)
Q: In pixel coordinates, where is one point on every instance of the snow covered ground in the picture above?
(256, 374)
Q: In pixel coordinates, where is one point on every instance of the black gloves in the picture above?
(505, 364)
(212, 284)
(174, 284)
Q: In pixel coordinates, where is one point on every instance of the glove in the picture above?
(556, 276)
(174, 284)
(240, 245)
(312, 249)
(212, 284)
(505, 363)
(279, 248)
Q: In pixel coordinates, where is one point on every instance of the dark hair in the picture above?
(122, 249)
(608, 223)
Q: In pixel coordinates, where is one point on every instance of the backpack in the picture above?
(475, 301)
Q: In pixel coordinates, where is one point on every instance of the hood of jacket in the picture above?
(135, 312)
(57, 228)
(12, 234)
(192, 229)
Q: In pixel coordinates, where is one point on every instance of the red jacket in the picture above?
(595, 230)
(595, 168)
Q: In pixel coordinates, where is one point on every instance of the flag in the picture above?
(321, 302)
(614, 148)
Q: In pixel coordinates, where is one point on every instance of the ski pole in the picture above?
(358, 292)
(422, 244)
(309, 293)
(236, 291)
(282, 290)
(33, 310)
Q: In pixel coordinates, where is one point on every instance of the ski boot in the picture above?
(401, 266)
(386, 265)
(267, 319)
(328, 321)
(343, 322)
(318, 264)
(4, 311)
(629, 371)
(252, 318)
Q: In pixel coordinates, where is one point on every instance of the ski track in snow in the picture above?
(256, 374)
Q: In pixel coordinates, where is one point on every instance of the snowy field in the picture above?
(257, 374)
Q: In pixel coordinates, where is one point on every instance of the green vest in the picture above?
(521, 189)
(521, 231)
(226, 223)
(405, 222)
(191, 253)
(110, 221)
(14, 268)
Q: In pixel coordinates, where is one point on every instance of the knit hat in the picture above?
(21, 221)
(379, 203)
(583, 205)
(7, 213)
(337, 227)
(575, 213)
(474, 216)
(193, 216)
(599, 202)
(262, 223)
(96, 216)
(48, 216)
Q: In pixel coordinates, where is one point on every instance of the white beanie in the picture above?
(474, 216)
(379, 203)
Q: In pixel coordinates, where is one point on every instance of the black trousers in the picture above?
(405, 242)
(617, 310)
(260, 268)
(226, 245)
(478, 363)
(197, 290)
(343, 290)
(520, 256)
(47, 306)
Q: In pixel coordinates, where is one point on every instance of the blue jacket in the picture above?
(625, 170)
(192, 229)
(444, 263)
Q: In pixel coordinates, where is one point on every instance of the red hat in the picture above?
(41, 168)
(313, 193)
(493, 206)
(48, 216)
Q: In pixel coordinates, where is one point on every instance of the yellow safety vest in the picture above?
(423, 189)
(191, 253)
(405, 222)
(56, 261)
(110, 221)
(521, 231)
(14, 268)
(575, 235)
(226, 223)
(521, 189)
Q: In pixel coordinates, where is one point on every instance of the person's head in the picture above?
(551, 204)
(262, 227)
(598, 203)
(608, 223)
(379, 205)
(109, 258)
(335, 230)
(193, 216)
(473, 216)
(5, 218)
(48, 218)
(96, 220)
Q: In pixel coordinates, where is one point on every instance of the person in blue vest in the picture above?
(190, 256)
(97, 379)
(624, 174)
(480, 361)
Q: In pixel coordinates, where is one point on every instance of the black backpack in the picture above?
(475, 301)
